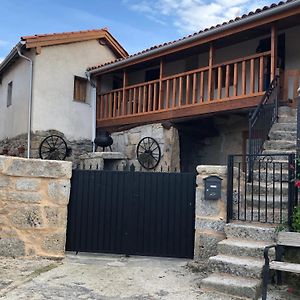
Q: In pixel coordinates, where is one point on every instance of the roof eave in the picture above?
(205, 34)
(10, 57)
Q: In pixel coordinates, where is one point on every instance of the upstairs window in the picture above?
(80, 87)
(9, 93)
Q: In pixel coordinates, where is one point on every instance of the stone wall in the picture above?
(17, 146)
(210, 214)
(126, 142)
(33, 206)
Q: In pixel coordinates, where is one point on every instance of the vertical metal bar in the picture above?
(239, 190)
(245, 195)
(266, 194)
(252, 198)
(280, 192)
(273, 209)
(291, 190)
(259, 177)
(230, 188)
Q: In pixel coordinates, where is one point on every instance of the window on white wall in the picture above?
(9, 93)
(80, 86)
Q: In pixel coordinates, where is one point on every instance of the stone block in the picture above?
(158, 132)
(134, 138)
(214, 225)
(28, 184)
(30, 197)
(59, 191)
(56, 216)
(2, 163)
(206, 245)
(38, 168)
(11, 247)
(206, 207)
(27, 217)
(4, 181)
(212, 170)
(54, 243)
(3, 195)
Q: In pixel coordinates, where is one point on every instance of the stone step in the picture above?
(287, 119)
(271, 172)
(242, 247)
(282, 145)
(285, 126)
(286, 111)
(279, 155)
(253, 231)
(261, 215)
(232, 285)
(261, 201)
(283, 135)
(278, 188)
(238, 266)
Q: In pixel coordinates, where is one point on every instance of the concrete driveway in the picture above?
(111, 277)
(104, 278)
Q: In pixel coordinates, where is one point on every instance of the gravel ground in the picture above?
(108, 278)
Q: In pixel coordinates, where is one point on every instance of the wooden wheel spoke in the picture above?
(148, 153)
(53, 147)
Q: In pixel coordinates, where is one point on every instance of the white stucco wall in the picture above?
(53, 105)
(13, 119)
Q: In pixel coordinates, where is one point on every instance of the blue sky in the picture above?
(136, 24)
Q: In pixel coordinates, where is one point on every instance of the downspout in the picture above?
(29, 102)
(93, 105)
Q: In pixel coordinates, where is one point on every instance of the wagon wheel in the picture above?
(148, 153)
(53, 147)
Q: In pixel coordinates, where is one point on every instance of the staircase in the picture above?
(238, 266)
(237, 269)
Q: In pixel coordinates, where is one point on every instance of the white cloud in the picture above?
(1, 59)
(193, 15)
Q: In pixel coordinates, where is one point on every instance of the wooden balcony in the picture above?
(231, 85)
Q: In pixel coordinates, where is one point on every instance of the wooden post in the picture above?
(124, 92)
(273, 51)
(161, 72)
(210, 72)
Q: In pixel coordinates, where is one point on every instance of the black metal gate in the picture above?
(261, 188)
(135, 213)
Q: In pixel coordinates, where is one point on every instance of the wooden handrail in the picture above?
(199, 70)
(203, 69)
(238, 60)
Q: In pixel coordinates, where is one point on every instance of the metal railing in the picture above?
(261, 121)
(270, 197)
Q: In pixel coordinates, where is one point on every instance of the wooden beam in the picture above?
(236, 103)
(210, 72)
(273, 51)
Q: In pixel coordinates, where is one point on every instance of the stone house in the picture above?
(43, 87)
(194, 95)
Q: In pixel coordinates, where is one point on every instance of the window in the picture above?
(80, 85)
(9, 93)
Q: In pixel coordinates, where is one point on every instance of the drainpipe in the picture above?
(30, 100)
(93, 104)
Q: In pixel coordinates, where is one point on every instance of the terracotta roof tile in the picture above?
(251, 13)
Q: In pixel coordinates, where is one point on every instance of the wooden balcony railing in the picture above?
(231, 80)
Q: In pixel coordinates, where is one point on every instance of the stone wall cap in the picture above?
(24, 167)
(212, 170)
(104, 155)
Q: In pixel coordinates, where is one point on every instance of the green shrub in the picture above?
(296, 219)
